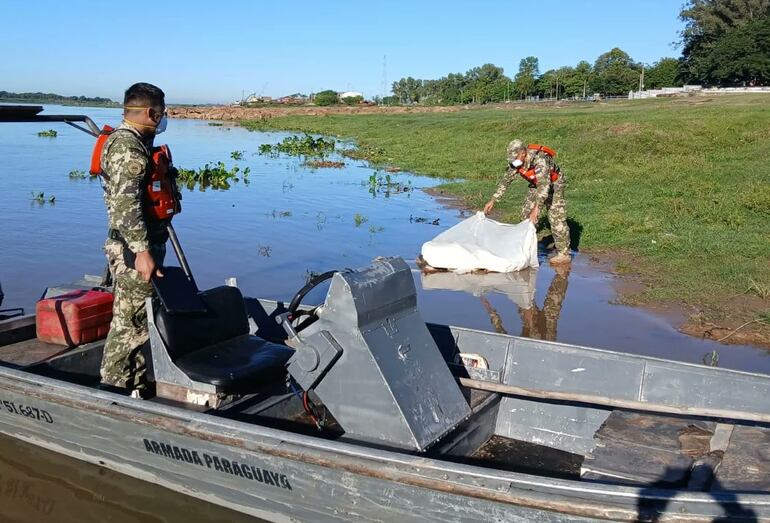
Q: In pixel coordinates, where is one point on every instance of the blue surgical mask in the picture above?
(162, 125)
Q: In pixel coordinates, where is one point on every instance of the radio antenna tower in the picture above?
(384, 77)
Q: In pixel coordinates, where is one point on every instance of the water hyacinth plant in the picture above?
(294, 145)
(215, 176)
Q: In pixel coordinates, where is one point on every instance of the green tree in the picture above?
(615, 73)
(663, 73)
(706, 22)
(525, 80)
(327, 97)
(741, 56)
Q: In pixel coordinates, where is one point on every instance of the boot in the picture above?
(561, 259)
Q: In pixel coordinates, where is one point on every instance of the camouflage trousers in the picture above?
(556, 205)
(123, 363)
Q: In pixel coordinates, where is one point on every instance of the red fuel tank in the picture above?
(74, 318)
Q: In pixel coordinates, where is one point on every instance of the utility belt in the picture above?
(156, 238)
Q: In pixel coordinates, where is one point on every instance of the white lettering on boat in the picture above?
(218, 463)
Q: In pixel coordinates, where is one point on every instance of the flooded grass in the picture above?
(237, 155)
(323, 164)
(680, 189)
(50, 133)
(77, 174)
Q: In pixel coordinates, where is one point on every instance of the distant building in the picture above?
(254, 99)
(351, 94)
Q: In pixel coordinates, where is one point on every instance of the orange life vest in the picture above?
(529, 174)
(160, 200)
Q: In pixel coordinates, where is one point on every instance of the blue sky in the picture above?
(205, 51)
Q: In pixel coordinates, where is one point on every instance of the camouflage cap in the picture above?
(514, 147)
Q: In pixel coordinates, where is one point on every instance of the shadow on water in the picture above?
(655, 498)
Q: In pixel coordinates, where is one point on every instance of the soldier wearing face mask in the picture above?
(535, 163)
(141, 198)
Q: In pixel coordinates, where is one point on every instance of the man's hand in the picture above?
(489, 206)
(534, 215)
(146, 266)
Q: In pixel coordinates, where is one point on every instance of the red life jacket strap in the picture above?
(96, 155)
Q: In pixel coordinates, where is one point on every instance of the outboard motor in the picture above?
(370, 359)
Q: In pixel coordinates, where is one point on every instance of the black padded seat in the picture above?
(215, 347)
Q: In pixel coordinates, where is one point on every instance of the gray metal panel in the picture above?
(695, 386)
(563, 368)
(565, 427)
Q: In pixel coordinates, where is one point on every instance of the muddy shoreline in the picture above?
(683, 318)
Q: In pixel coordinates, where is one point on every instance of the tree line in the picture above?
(52, 98)
(724, 43)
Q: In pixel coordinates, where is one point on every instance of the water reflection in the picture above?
(520, 288)
(540, 323)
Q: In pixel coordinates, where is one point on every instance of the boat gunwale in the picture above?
(385, 465)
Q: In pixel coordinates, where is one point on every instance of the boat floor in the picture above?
(670, 451)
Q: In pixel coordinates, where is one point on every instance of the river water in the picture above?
(288, 222)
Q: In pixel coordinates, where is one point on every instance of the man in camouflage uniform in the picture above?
(541, 323)
(136, 245)
(543, 194)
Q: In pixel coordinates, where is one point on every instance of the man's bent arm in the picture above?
(503, 185)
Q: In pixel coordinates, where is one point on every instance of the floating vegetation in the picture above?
(280, 214)
(360, 219)
(299, 146)
(50, 133)
(237, 155)
(421, 219)
(215, 124)
(386, 185)
(40, 198)
(77, 174)
(375, 229)
(286, 186)
(264, 250)
(315, 164)
(215, 176)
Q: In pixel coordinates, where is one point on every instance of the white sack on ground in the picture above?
(482, 243)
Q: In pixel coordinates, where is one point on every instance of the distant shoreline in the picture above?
(57, 102)
(55, 99)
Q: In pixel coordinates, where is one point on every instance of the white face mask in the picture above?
(162, 125)
(516, 163)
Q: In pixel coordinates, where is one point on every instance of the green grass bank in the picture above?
(676, 191)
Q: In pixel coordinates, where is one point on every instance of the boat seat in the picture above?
(215, 347)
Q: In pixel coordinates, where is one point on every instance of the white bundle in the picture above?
(482, 243)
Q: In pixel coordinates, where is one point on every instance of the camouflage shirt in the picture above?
(126, 159)
(543, 164)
